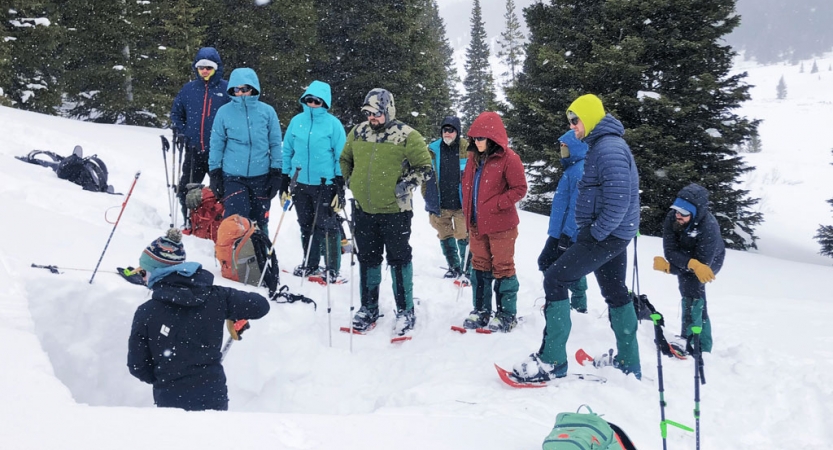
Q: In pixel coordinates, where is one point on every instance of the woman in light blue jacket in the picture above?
(313, 143)
(245, 157)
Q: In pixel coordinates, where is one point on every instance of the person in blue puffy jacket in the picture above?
(562, 231)
(313, 143)
(192, 116)
(245, 159)
(176, 336)
(607, 217)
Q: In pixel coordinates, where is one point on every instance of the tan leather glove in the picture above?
(235, 329)
(661, 264)
(285, 196)
(704, 273)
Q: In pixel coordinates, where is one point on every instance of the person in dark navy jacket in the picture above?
(176, 336)
(607, 217)
(192, 116)
(694, 251)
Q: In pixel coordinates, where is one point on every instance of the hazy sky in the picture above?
(457, 16)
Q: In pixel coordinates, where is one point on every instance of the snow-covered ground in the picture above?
(64, 382)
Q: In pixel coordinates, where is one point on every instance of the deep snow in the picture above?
(64, 382)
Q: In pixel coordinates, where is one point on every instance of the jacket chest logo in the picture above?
(165, 330)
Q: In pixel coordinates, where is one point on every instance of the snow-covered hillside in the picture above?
(64, 382)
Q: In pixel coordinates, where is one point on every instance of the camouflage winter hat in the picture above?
(379, 99)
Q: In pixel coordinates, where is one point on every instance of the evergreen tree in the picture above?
(511, 43)
(479, 83)
(437, 25)
(824, 235)
(659, 66)
(116, 65)
(30, 69)
(754, 145)
(815, 67)
(781, 89)
(390, 45)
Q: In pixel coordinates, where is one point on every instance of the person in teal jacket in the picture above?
(244, 162)
(313, 143)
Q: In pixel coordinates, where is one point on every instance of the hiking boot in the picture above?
(452, 272)
(502, 323)
(303, 271)
(533, 369)
(477, 319)
(332, 277)
(405, 321)
(365, 318)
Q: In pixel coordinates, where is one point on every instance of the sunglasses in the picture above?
(313, 100)
(205, 68)
(244, 89)
(480, 139)
(374, 114)
(449, 130)
(573, 121)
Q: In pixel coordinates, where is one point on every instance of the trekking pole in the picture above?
(178, 168)
(353, 253)
(699, 378)
(459, 282)
(327, 277)
(275, 236)
(312, 230)
(123, 205)
(165, 147)
(659, 322)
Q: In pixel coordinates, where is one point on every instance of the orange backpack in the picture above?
(242, 250)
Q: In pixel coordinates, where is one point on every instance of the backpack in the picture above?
(90, 173)
(580, 431)
(206, 218)
(242, 249)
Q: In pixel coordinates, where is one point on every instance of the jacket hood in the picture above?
(590, 110)
(175, 275)
(241, 76)
(578, 149)
(454, 121)
(379, 99)
(698, 196)
(209, 53)
(318, 89)
(489, 125)
(609, 125)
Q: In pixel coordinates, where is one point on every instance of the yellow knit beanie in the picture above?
(589, 109)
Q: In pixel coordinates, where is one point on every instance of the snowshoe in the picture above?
(365, 319)
(502, 323)
(532, 369)
(405, 321)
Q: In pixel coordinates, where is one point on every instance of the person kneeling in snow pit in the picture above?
(176, 335)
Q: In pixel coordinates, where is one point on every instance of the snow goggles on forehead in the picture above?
(374, 114)
(313, 100)
(244, 89)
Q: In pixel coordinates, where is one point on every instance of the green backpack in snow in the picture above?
(579, 431)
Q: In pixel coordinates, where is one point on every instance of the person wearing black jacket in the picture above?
(176, 336)
(694, 251)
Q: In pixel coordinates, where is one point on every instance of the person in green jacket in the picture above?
(383, 161)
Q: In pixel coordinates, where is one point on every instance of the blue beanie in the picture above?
(164, 252)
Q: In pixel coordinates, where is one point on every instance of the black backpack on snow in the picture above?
(90, 173)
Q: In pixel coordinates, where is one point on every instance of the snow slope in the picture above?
(64, 382)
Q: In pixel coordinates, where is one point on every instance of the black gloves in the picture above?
(284, 189)
(564, 242)
(216, 183)
(179, 138)
(275, 182)
(338, 199)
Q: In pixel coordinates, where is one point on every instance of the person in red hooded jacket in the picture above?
(493, 182)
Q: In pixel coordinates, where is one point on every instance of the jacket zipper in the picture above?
(249, 129)
(202, 119)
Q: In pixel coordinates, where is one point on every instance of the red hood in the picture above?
(489, 125)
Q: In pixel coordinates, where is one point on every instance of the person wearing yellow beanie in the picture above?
(607, 218)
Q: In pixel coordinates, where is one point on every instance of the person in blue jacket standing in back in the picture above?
(313, 142)
(562, 232)
(245, 159)
(192, 116)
